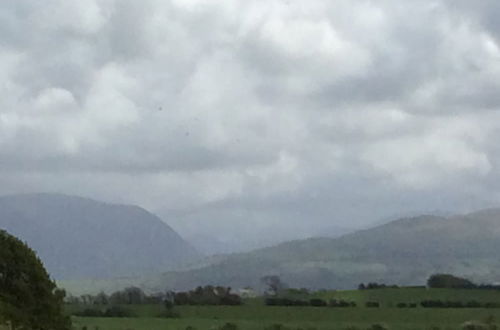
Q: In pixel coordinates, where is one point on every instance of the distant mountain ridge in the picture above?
(82, 238)
(405, 251)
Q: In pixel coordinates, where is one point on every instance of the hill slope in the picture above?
(82, 238)
(405, 251)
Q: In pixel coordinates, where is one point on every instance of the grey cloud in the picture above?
(272, 115)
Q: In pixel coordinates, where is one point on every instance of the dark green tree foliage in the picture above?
(28, 297)
(375, 285)
(128, 296)
(207, 295)
(449, 281)
(113, 311)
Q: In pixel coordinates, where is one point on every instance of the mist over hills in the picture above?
(79, 238)
(404, 251)
(82, 238)
(211, 244)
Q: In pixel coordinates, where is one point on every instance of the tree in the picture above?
(273, 283)
(101, 299)
(449, 281)
(128, 296)
(28, 297)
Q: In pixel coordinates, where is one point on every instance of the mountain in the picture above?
(405, 252)
(81, 238)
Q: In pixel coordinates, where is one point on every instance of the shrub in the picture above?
(89, 312)
(317, 302)
(207, 295)
(492, 305)
(377, 327)
(341, 303)
(285, 302)
(372, 304)
(114, 311)
(276, 326)
(473, 304)
(118, 311)
(229, 326)
(474, 325)
(169, 314)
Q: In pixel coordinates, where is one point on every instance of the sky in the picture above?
(244, 123)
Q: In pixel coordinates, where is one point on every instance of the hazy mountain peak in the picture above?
(79, 237)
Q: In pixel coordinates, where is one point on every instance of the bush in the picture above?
(285, 302)
(276, 326)
(492, 305)
(375, 285)
(377, 327)
(229, 326)
(457, 304)
(317, 302)
(341, 303)
(473, 304)
(169, 314)
(372, 304)
(401, 305)
(474, 325)
(114, 311)
(118, 311)
(89, 312)
(207, 295)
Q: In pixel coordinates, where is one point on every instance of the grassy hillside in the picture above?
(403, 252)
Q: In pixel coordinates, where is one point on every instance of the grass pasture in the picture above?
(254, 315)
(391, 297)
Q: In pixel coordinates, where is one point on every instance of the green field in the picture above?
(255, 315)
(391, 297)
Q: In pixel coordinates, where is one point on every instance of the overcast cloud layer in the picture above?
(275, 119)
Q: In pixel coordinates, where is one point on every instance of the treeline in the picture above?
(316, 302)
(280, 326)
(443, 281)
(207, 295)
(375, 285)
(436, 281)
(458, 304)
(127, 296)
(114, 311)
